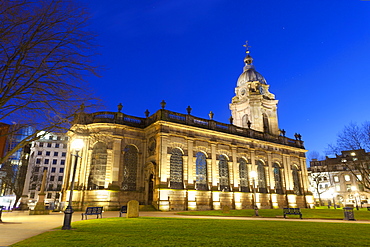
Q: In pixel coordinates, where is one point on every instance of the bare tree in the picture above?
(45, 54)
(352, 137)
(318, 177)
(318, 173)
(355, 137)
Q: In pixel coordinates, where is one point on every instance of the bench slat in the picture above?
(93, 211)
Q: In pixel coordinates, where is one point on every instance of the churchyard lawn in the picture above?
(147, 231)
(323, 213)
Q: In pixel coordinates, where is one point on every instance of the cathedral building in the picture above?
(177, 161)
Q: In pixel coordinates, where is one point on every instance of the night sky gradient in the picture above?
(314, 55)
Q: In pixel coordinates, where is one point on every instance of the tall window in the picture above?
(245, 121)
(243, 175)
(277, 178)
(130, 162)
(176, 169)
(223, 168)
(266, 127)
(262, 186)
(98, 167)
(296, 182)
(201, 171)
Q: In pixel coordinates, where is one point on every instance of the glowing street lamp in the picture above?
(253, 175)
(76, 145)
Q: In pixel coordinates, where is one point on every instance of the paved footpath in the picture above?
(19, 225)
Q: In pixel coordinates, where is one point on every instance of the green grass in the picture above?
(203, 232)
(326, 213)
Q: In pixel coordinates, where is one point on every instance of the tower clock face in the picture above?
(262, 90)
(243, 91)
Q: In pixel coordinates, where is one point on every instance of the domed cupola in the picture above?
(249, 73)
(253, 106)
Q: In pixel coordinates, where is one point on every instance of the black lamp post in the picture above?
(253, 175)
(77, 144)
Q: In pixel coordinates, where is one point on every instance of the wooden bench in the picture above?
(93, 211)
(123, 211)
(292, 211)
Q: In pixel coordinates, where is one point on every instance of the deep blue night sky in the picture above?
(314, 54)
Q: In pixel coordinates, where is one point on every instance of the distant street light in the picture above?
(253, 175)
(76, 145)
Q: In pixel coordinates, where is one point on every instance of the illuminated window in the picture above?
(348, 187)
(223, 168)
(359, 177)
(130, 162)
(277, 178)
(347, 178)
(337, 187)
(262, 185)
(98, 167)
(243, 174)
(176, 169)
(201, 171)
(245, 120)
(336, 179)
(296, 181)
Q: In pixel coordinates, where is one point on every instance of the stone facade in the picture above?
(49, 152)
(340, 180)
(178, 161)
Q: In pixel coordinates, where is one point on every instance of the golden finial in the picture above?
(246, 47)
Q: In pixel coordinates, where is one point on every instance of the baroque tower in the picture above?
(254, 106)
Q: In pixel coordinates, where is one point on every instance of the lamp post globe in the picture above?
(76, 146)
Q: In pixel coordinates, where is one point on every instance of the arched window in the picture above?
(266, 127)
(223, 168)
(176, 169)
(201, 172)
(243, 175)
(296, 182)
(245, 121)
(130, 162)
(277, 178)
(262, 186)
(98, 167)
